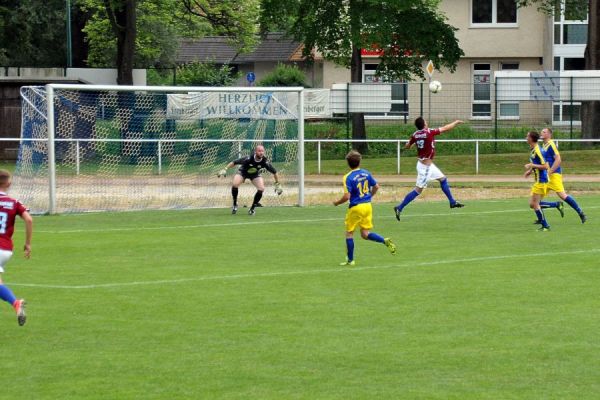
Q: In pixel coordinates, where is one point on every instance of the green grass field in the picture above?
(204, 305)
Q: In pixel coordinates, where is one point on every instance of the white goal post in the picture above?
(117, 148)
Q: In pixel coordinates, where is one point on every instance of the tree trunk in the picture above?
(123, 21)
(590, 110)
(358, 119)
(79, 46)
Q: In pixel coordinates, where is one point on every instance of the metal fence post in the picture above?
(159, 149)
(477, 157)
(77, 156)
(398, 157)
(348, 116)
(495, 116)
(571, 111)
(319, 157)
(421, 96)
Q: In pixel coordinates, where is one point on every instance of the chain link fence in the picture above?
(505, 109)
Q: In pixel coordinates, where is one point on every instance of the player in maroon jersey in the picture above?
(424, 139)
(9, 209)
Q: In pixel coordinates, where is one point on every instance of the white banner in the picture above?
(316, 103)
(252, 105)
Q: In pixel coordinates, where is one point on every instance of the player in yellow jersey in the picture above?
(555, 181)
(539, 168)
(359, 188)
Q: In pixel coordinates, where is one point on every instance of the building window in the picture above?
(507, 66)
(570, 37)
(573, 64)
(369, 71)
(508, 110)
(493, 11)
(574, 34)
(400, 98)
(567, 28)
(564, 112)
(482, 105)
(569, 63)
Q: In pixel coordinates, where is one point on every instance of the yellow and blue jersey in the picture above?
(536, 157)
(358, 183)
(550, 151)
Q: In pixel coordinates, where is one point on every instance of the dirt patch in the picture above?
(323, 189)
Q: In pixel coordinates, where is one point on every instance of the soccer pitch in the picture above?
(204, 305)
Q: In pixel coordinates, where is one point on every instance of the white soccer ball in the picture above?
(435, 87)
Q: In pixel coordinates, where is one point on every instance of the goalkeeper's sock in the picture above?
(234, 194)
(540, 215)
(407, 199)
(375, 237)
(571, 201)
(549, 204)
(257, 198)
(7, 295)
(446, 189)
(350, 249)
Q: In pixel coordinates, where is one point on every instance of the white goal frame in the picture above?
(50, 88)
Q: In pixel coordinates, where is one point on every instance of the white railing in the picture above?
(159, 143)
(400, 144)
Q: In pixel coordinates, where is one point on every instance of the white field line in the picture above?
(305, 272)
(283, 221)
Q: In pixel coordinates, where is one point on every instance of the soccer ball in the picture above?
(435, 87)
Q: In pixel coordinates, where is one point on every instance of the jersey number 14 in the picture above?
(363, 188)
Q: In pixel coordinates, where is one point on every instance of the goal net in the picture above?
(91, 148)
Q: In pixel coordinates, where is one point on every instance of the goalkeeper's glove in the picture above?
(278, 188)
(222, 173)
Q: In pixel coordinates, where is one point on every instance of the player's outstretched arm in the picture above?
(28, 233)
(278, 188)
(223, 172)
(450, 126)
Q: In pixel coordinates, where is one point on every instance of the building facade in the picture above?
(495, 35)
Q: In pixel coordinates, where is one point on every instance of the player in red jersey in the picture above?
(9, 209)
(424, 139)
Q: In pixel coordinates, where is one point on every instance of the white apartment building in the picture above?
(495, 35)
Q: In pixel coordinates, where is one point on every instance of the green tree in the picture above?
(284, 75)
(235, 19)
(206, 74)
(159, 25)
(578, 9)
(407, 32)
(144, 33)
(32, 33)
(122, 17)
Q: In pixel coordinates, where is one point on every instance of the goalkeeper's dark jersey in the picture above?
(250, 168)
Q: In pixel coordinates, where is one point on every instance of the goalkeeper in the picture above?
(250, 168)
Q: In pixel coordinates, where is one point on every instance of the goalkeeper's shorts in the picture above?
(248, 176)
(360, 215)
